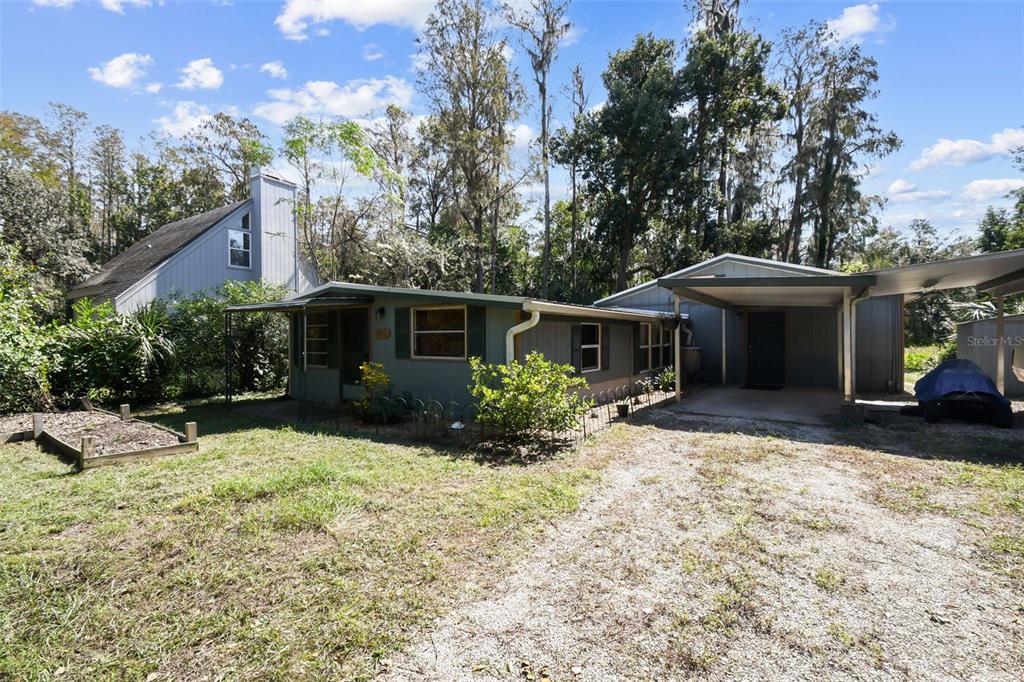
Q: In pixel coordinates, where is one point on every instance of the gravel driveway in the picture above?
(732, 550)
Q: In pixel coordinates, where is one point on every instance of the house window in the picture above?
(239, 245)
(439, 332)
(316, 340)
(590, 347)
(666, 348)
(645, 347)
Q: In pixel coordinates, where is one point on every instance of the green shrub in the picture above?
(665, 380)
(376, 405)
(112, 357)
(24, 385)
(530, 399)
(259, 340)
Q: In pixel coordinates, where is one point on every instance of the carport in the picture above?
(998, 274)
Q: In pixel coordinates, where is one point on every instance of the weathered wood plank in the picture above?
(119, 457)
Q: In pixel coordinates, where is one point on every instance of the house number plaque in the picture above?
(383, 333)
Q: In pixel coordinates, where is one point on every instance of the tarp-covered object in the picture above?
(956, 376)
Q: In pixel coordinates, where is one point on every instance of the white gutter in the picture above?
(510, 335)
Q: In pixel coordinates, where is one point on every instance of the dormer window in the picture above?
(239, 245)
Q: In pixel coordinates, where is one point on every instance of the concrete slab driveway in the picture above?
(718, 549)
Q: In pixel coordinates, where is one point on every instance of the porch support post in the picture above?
(1000, 347)
(847, 347)
(725, 352)
(227, 358)
(679, 349)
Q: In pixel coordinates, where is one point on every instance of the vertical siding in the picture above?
(879, 345)
(275, 230)
(201, 265)
(976, 341)
(812, 352)
(553, 338)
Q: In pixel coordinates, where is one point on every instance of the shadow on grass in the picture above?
(893, 434)
(215, 417)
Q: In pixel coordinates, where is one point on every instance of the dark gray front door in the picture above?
(766, 348)
(355, 343)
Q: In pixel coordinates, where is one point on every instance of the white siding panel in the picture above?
(201, 265)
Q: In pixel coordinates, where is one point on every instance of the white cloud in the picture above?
(200, 73)
(118, 5)
(371, 52)
(419, 61)
(980, 191)
(959, 152)
(63, 4)
(274, 70)
(154, 88)
(523, 136)
(187, 116)
(906, 192)
(858, 21)
(354, 99)
(899, 185)
(297, 16)
(123, 71)
(573, 35)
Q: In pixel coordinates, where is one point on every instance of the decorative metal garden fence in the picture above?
(433, 419)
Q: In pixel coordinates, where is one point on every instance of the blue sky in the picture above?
(952, 73)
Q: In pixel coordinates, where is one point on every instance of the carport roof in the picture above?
(1000, 273)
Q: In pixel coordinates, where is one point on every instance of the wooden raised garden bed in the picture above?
(15, 428)
(96, 437)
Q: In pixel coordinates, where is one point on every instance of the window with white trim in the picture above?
(645, 347)
(439, 332)
(316, 340)
(590, 347)
(240, 245)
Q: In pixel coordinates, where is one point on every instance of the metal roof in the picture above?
(999, 273)
(794, 268)
(350, 293)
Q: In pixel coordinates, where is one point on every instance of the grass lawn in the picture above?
(273, 552)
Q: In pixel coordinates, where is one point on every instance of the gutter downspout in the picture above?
(510, 335)
(863, 296)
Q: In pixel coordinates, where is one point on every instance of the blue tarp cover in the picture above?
(955, 376)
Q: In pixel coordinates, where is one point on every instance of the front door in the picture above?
(766, 348)
(355, 343)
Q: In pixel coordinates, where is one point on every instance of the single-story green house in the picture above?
(425, 338)
(756, 322)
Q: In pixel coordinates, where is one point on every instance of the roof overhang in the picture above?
(298, 305)
(592, 312)
(999, 274)
(740, 292)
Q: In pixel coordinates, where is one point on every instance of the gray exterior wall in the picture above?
(447, 380)
(879, 345)
(553, 338)
(203, 264)
(976, 341)
(812, 337)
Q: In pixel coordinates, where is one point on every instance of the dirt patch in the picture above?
(115, 435)
(12, 423)
(733, 549)
(62, 424)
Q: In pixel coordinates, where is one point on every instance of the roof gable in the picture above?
(756, 267)
(131, 265)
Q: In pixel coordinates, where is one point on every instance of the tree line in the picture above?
(720, 140)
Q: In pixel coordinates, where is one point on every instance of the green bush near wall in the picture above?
(530, 399)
